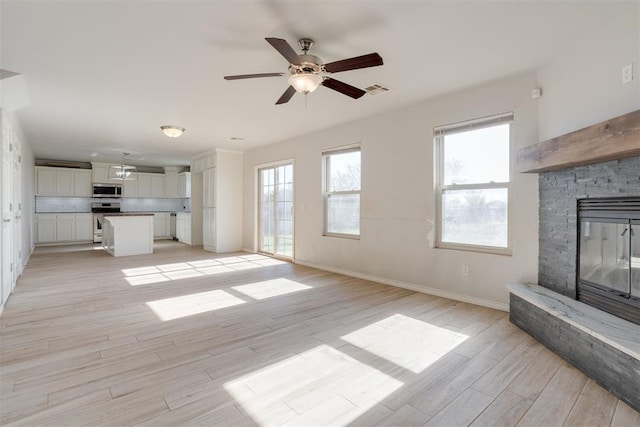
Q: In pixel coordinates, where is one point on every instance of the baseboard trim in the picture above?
(411, 286)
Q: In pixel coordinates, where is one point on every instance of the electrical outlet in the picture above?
(627, 73)
(465, 270)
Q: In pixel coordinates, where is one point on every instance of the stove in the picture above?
(99, 211)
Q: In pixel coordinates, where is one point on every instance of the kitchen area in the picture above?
(74, 201)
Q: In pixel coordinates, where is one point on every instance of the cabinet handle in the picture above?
(6, 220)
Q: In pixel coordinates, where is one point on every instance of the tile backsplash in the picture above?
(83, 204)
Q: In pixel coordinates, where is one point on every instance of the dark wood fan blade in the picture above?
(364, 61)
(253, 76)
(285, 50)
(343, 88)
(286, 96)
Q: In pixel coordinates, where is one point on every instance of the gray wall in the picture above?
(558, 233)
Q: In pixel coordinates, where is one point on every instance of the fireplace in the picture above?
(608, 273)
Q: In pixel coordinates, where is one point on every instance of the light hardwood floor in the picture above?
(187, 337)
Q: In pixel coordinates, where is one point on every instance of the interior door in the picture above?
(275, 210)
(7, 220)
(17, 211)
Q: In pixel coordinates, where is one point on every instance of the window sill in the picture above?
(492, 250)
(344, 236)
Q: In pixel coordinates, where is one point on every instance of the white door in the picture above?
(17, 210)
(7, 213)
(275, 210)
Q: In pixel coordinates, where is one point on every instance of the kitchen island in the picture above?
(128, 234)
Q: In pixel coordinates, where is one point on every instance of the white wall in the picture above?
(584, 86)
(397, 200)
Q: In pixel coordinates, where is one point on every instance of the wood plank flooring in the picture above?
(188, 337)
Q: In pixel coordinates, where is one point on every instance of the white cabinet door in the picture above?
(144, 185)
(209, 188)
(82, 183)
(130, 188)
(46, 231)
(183, 227)
(209, 228)
(157, 185)
(100, 174)
(170, 184)
(161, 224)
(184, 185)
(83, 227)
(65, 225)
(45, 182)
(64, 182)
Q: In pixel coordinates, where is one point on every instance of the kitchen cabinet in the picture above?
(45, 228)
(100, 173)
(183, 227)
(64, 227)
(83, 227)
(161, 225)
(130, 188)
(82, 183)
(45, 181)
(171, 182)
(63, 182)
(222, 202)
(150, 185)
(184, 185)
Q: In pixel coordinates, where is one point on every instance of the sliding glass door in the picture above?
(275, 210)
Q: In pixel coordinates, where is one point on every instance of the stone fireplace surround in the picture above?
(604, 347)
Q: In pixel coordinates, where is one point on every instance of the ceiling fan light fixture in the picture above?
(305, 82)
(172, 131)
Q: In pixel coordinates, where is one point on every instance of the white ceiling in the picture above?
(103, 76)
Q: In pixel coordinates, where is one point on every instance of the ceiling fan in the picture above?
(306, 72)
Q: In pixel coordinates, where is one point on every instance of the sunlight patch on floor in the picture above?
(188, 269)
(270, 288)
(405, 341)
(309, 388)
(188, 305)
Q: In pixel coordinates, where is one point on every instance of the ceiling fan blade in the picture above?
(286, 96)
(364, 61)
(343, 88)
(253, 76)
(285, 50)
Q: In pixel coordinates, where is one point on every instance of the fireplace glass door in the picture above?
(605, 256)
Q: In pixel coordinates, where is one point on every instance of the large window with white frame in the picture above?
(473, 179)
(341, 192)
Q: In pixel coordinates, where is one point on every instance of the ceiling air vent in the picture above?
(376, 89)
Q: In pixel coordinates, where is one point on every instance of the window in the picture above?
(473, 174)
(342, 192)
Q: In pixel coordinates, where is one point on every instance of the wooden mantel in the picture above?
(613, 139)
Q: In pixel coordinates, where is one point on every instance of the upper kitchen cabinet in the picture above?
(52, 181)
(100, 173)
(171, 182)
(150, 185)
(184, 185)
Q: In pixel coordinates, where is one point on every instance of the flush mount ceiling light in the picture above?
(172, 131)
(122, 172)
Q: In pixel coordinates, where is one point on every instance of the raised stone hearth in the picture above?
(604, 347)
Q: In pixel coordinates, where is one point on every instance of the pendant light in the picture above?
(122, 172)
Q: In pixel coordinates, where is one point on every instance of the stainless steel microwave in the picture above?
(113, 191)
